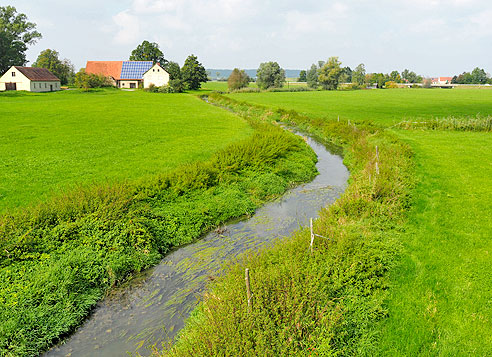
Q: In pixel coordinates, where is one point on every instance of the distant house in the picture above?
(129, 74)
(29, 79)
(442, 80)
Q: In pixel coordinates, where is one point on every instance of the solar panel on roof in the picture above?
(135, 69)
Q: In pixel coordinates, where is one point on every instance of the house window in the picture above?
(34, 85)
(46, 85)
(153, 70)
(13, 74)
(157, 70)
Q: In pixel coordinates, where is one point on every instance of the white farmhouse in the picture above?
(156, 76)
(29, 79)
(130, 74)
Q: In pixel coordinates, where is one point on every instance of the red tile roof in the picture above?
(106, 68)
(38, 74)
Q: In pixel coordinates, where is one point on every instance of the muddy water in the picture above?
(152, 307)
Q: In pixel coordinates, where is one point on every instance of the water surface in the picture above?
(152, 308)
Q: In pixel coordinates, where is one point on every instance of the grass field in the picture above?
(54, 141)
(384, 107)
(141, 196)
(440, 296)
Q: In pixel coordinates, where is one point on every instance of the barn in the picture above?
(30, 79)
(130, 74)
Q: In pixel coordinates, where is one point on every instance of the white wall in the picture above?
(156, 76)
(23, 83)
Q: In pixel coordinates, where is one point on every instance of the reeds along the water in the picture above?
(477, 123)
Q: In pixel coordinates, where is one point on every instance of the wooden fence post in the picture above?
(312, 234)
(248, 290)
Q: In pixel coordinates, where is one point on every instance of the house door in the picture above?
(10, 86)
(132, 85)
(51, 87)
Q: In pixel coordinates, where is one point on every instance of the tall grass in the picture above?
(60, 257)
(325, 303)
(477, 123)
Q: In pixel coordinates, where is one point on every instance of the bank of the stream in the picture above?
(59, 258)
(321, 303)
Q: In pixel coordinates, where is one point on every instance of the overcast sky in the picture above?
(431, 37)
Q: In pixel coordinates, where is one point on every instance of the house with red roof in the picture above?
(442, 80)
(130, 74)
(30, 79)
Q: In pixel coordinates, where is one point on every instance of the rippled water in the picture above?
(152, 307)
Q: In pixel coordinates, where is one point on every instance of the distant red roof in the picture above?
(38, 74)
(445, 78)
(106, 68)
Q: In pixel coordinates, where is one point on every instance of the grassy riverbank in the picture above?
(326, 302)
(58, 258)
(439, 301)
(57, 141)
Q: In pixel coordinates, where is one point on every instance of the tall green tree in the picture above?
(302, 76)
(395, 77)
(312, 76)
(359, 74)
(329, 74)
(16, 33)
(479, 76)
(50, 60)
(173, 69)
(270, 75)
(193, 73)
(346, 75)
(238, 79)
(148, 51)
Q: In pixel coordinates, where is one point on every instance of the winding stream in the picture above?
(152, 307)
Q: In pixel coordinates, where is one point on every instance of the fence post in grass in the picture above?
(248, 289)
(312, 234)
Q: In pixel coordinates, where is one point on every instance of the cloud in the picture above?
(128, 28)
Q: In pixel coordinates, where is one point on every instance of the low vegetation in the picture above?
(324, 303)
(59, 258)
(439, 285)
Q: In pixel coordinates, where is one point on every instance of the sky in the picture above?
(430, 37)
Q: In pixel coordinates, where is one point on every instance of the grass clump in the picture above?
(325, 303)
(476, 123)
(59, 258)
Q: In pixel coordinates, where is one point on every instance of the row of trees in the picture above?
(477, 76)
(330, 74)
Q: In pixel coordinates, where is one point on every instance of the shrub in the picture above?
(238, 79)
(391, 84)
(90, 80)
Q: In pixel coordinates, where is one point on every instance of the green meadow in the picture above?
(385, 107)
(98, 186)
(55, 141)
(439, 288)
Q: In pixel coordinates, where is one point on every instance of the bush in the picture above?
(90, 80)
(391, 84)
(238, 79)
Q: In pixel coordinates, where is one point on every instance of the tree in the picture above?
(346, 75)
(329, 74)
(302, 76)
(238, 79)
(173, 69)
(16, 33)
(312, 76)
(269, 75)
(479, 76)
(193, 73)
(62, 69)
(395, 77)
(148, 51)
(359, 74)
